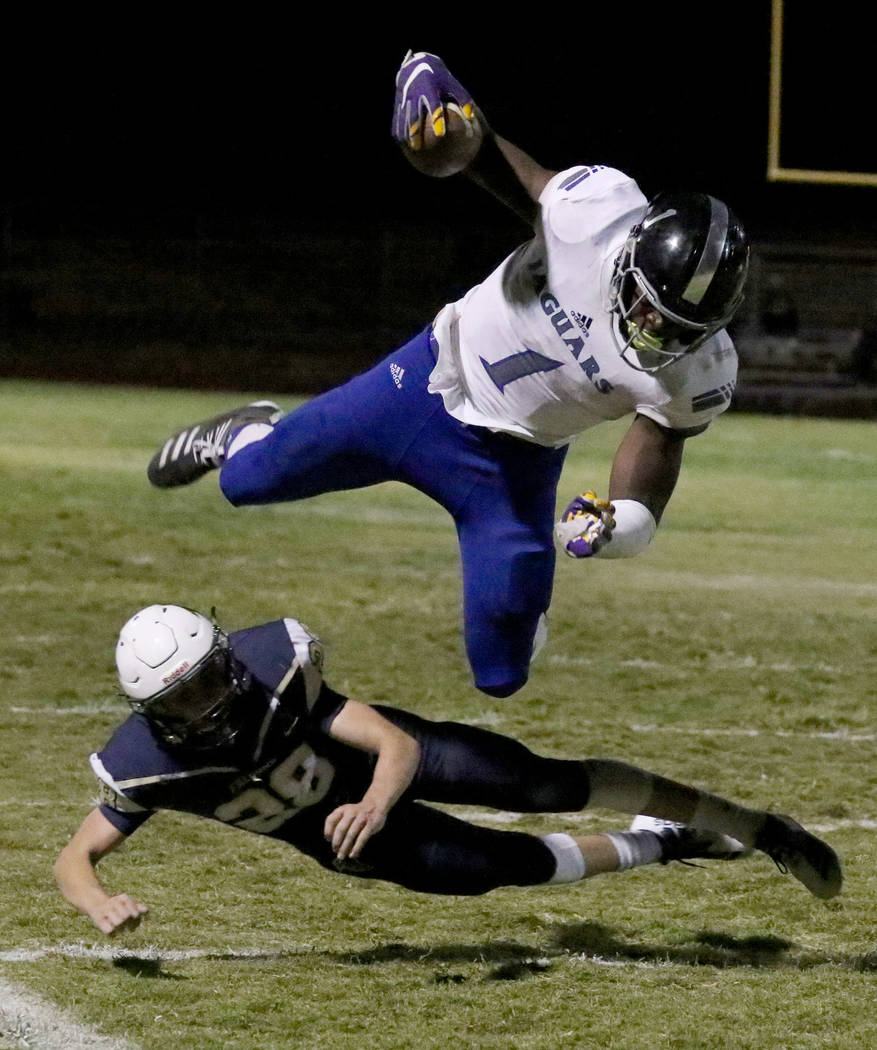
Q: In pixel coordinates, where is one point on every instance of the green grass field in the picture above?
(737, 653)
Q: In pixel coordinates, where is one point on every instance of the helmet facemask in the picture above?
(644, 350)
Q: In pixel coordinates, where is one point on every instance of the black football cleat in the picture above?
(195, 450)
(721, 847)
(683, 843)
(796, 851)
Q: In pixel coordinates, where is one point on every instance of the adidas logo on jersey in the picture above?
(583, 322)
(397, 372)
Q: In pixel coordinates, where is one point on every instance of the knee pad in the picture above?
(503, 689)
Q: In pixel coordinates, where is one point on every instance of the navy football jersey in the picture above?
(281, 763)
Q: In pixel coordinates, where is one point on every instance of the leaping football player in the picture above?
(617, 306)
(242, 729)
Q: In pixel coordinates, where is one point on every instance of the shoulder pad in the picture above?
(108, 794)
(308, 657)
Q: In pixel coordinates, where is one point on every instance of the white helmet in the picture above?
(175, 669)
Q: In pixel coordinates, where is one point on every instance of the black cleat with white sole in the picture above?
(195, 450)
(683, 843)
(720, 847)
(794, 850)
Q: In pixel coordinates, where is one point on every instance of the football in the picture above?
(450, 153)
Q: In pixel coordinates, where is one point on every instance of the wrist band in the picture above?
(634, 528)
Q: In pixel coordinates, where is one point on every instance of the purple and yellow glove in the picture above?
(424, 87)
(585, 526)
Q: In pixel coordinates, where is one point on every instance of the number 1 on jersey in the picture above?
(518, 366)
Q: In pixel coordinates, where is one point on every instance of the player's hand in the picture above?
(117, 914)
(350, 826)
(585, 526)
(424, 86)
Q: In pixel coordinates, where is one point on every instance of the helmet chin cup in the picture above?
(645, 352)
(640, 339)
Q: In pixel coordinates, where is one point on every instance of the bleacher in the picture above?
(807, 335)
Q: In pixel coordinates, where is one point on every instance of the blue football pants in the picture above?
(383, 425)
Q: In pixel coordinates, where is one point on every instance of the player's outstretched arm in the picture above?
(75, 875)
(350, 826)
(510, 175)
(644, 473)
(647, 463)
(428, 95)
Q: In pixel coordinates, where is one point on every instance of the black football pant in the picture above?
(429, 850)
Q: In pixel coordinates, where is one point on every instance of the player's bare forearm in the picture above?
(510, 175)
(394, 770)
(77, 880)
(350, 826)
(647, 464)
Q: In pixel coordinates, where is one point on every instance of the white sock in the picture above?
(570, 862)
(635, 848)
(246, 436)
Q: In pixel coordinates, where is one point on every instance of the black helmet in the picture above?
(688, 259)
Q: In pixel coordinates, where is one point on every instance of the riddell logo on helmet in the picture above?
(177, 671)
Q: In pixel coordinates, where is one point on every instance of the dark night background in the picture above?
(232, 187)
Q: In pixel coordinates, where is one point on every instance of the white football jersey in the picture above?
(531, 351)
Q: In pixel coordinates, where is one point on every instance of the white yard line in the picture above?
(785, 583)
(25, 1017)
(117, 708)
(713, 663)
(36, 1024)
(147, 953)
(843, 736)
(40, 803)
(495, 719)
